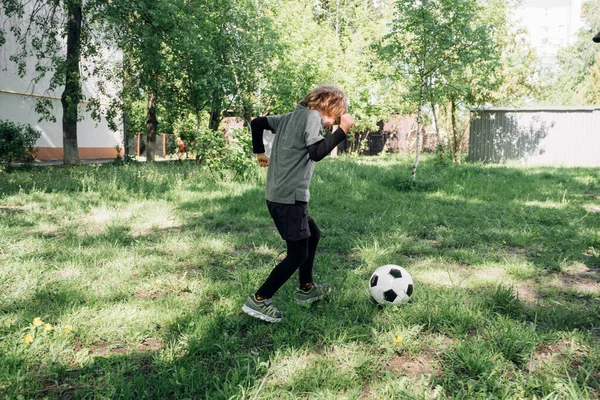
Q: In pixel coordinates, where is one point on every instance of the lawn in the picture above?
(127, 281)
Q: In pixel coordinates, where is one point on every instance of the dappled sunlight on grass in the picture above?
(453, 197)
(544, 204)
(461, 277)
(150, 264)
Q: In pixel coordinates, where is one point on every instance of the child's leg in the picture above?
(305, 270)
(296, 255)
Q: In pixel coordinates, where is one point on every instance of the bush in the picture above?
(220, 153)
(17, 143)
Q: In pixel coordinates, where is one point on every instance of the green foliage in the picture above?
(519, 74)
(578, 79)
(473, 370)
(442, 40)
(17, 143)
(222, 154)
(516, 341)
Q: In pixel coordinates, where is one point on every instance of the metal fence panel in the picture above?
(568, 136)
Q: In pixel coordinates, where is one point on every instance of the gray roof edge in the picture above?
(541, 108)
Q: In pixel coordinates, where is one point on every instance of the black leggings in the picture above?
(300, 256)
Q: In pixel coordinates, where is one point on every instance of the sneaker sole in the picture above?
(259, 315)
(313, 299)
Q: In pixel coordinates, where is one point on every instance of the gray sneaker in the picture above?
(316, 292)
(264, 309)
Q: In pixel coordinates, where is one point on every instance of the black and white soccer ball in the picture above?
(391, 284)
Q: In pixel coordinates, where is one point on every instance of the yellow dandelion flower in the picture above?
(37, 321)
(69, 328)
(48, 328)
(504, 241)
(28, 339)
(398, 339)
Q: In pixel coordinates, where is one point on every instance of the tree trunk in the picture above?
(418, 147)
(72, 96)
(456, 140)
(151, 127)
(215, 118)
(197, 115)
(440, 146)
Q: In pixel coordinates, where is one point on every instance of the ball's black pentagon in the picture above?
(409, 290)
(389, 295)
(374, 279)
(396, 273)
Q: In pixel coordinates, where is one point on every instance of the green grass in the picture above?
(141, 272)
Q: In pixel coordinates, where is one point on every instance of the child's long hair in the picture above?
(327, 99)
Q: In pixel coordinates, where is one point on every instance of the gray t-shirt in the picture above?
(290, 168)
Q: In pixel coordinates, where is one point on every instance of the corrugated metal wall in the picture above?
(568, 136)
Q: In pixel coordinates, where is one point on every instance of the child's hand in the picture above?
(262, 159)
(346, 122)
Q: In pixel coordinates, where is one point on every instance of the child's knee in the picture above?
(298, 250)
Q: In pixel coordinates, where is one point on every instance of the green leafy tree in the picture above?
(301, 58)
(144, 30)
(519, 72)
(578, 78)
(329, 42)
(58, 35)
(224, 67)
(357, 25)
(447, 51)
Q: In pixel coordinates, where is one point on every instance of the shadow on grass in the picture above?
(213, 352)
(210, 352)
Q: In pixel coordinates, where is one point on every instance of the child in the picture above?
(298, 144)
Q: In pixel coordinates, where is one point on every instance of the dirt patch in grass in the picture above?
(105, 349)
(422, 364)
(528, 292)
(553, 353)
(149, 294)
(150, 344)
(576, 278)
(367, 394)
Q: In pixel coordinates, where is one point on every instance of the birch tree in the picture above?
(448, 52)
(414, 52)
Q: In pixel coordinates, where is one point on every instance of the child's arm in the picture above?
(258, 125)
(321, 149)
